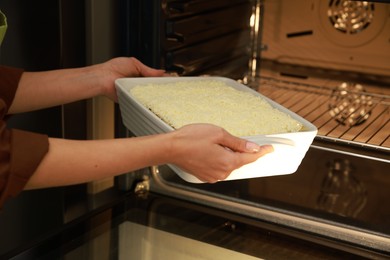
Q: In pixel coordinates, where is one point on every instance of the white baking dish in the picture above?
(289, 148)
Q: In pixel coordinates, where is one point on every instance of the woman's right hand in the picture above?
(210, 153)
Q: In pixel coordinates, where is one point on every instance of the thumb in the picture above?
(240, 145)
(146, 71)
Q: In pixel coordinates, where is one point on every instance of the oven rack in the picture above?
(316, 104)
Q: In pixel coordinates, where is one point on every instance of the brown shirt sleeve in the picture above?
(20, 151)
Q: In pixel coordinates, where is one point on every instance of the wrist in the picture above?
(95, 79)
(169, 151)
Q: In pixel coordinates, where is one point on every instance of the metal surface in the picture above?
(296, 221)
(198, 37)
(351, 17)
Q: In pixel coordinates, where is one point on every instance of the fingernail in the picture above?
(269, 148)
(252, 147)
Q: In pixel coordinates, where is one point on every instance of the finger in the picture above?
(238, 144)
(264, 149)
(171, 74)
(246, 158)
(146, 71)
(208, 176)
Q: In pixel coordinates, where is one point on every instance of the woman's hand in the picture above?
(119, 68)
(210, 153)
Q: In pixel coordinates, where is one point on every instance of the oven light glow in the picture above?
(254, 66)
(252, 20)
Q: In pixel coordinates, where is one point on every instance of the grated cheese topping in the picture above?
(211, 101)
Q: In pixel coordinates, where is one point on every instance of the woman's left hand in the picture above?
(123, 67)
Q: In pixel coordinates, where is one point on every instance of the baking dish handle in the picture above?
(263, 140)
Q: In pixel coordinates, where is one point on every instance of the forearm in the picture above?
(71, 162)
(50, 88)
(38, 90)
(199, 149)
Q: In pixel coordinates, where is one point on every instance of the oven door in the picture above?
(332, 195)
(152, 226)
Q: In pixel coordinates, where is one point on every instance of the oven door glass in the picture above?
(150, 226)
(332, 194)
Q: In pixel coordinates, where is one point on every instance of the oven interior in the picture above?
(328, 61)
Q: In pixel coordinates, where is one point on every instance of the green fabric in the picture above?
(3, 26)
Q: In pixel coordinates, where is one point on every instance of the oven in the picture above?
(329, 62)
(326, 60)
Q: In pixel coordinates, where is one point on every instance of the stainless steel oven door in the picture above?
(333, 195)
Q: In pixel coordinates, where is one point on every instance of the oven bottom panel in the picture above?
(146, 225)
